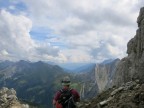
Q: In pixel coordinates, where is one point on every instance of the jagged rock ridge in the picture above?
(132, 66)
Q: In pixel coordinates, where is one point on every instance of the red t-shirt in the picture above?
(74, 93)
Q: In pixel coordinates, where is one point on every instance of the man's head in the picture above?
(66, 81)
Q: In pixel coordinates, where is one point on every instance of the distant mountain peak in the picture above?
(109, 61)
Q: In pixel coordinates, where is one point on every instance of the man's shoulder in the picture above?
(74, 91)
(75, 94)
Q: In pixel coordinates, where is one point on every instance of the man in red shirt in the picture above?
(62, 97)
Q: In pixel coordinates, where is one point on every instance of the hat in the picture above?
(66, 81)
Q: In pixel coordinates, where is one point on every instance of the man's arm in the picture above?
(56, 97)
(54, 102)
(76, 95)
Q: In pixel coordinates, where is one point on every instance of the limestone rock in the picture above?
(132, 66)
(8, 99)
(116, 91)
(104, 73)
(128, 95)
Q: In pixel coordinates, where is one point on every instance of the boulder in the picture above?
(8, 99)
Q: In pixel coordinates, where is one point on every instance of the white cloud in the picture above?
(140, 3)
(46, 48)
(4, 53)
(14, 32)
(16, 42)
(77, 55)
(91, 29)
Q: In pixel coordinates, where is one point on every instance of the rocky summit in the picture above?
(8, 99)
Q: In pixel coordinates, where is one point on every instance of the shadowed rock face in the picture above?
(132, 66)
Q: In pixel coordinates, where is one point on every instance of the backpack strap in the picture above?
(62, 90)
(69, 90)
(68, 102)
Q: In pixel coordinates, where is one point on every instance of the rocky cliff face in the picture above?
(88, 86)
(132, 66)
(104, 74)
(97, 79)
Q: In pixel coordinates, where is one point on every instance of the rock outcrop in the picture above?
(129, 95)
(132, 66)
(97, 79)
(8, 99)
(104, 74)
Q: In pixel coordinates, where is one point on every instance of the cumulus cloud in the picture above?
(92, 30)
(16, 42)
(77, 55)
(14, 33)
(46, 48)
(140, 3)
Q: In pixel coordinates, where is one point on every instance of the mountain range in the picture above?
(37, 82)
(31, 80)
(76, 67)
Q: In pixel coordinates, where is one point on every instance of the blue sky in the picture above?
(13, 6)
(66, 31)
